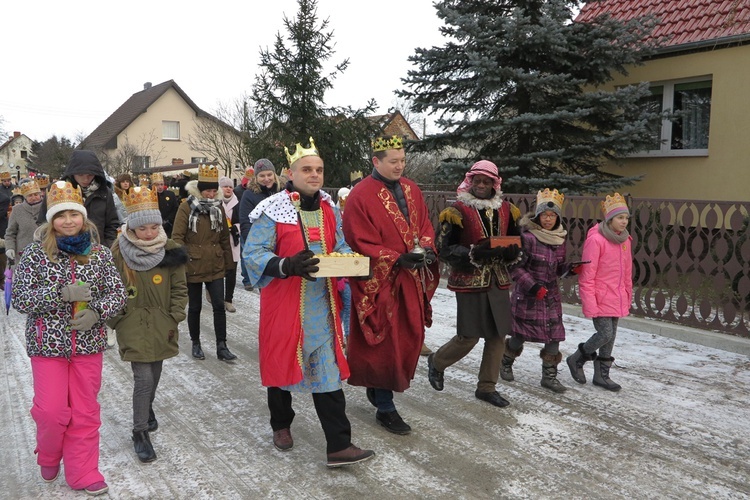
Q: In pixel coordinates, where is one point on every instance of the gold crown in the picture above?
(613, 202)
(5, 174)
(355, 175)
(143, 180)
(546, 196)
(29, 187)
(63, 192)
(208, 173)
(42, 180)
(249, 172)
(16, 191)
(300, 152)
(140, 198)
(384, 144)
(157, 177)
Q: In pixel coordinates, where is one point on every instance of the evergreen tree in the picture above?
(516, 83)
(289, 101)
(51, 156)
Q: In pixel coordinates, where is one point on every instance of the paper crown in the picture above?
(42, 180)
(208, 173)
(29, 187)
(300, 152)
(4, 174)
(613, 205)
(546, 197)
(140, 198)
(16, 192)
(63, 192)
(355, 175)
(157, 177)
(187, 173)
(143, 180)
(386, 143)
(249, 172)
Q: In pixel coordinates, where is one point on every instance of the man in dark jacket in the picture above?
(6, 193)
(168, 202)
(84, 170)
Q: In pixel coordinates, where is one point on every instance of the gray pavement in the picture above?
(678, 429)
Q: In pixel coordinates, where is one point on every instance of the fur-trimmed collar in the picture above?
(469, 199)
(192, 189)
(174, 255)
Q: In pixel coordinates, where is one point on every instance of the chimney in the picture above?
(16, 134)
(146, 85)
(177, 161)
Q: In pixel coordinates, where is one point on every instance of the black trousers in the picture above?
(195, 304)
(331, 410)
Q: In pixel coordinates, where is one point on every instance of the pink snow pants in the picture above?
(67, 417)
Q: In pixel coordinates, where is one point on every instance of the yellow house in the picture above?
(156, 128)
(701, 71)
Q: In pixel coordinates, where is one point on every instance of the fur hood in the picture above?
(192, 189)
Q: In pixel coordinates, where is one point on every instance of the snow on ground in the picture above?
(678, 429)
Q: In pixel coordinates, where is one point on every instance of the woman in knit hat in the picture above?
(536, 303)
(232, 211)
(606, 288)
(67, 285)
(201, 226)
(153, 269)
(22, 221)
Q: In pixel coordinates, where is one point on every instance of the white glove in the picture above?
(76, 293)
(84, 320)
(10, 254)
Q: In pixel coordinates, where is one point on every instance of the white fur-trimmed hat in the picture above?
(63, 196)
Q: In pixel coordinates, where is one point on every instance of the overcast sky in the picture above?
(69, 65)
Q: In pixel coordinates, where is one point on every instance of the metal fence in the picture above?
(691, 259)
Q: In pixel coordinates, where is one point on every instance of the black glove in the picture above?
(483, 252)
(412, 260)
(429, 256)
(301, 264)
(511, 253)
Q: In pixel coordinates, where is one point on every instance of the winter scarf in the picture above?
(202, 207)
(553, 237)
(141, 255)
(79, 244)
(89, 189)
(612, 236)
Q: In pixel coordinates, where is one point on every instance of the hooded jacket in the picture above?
(606, 283)
(100, 205)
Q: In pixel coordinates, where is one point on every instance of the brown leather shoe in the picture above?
(282, 439)
(348, 456)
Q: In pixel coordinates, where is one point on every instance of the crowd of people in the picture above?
(92, 255)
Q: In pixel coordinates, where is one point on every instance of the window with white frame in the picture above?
(170, 130)
(141, 162)
(198, 159)
(683, 129)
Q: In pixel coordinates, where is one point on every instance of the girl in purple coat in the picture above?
(606, 288)
(536, 304)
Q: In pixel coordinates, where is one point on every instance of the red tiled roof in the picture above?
(680, 21)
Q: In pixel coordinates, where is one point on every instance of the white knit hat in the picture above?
(63, 196)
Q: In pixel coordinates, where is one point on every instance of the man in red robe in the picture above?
(387, 220)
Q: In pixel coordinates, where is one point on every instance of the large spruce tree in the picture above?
(289, 101)
(516, 84)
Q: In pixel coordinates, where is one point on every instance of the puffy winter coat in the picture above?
(21, 227)
(209, 252)
(36, 292)
(147, 327)
(606, 283)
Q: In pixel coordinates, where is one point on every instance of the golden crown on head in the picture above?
(29, 187)
(63, 192)
(546, 196)
(16, 192)
(157, 177)
(5, 174)
(143, 179)
(300, 152)
(140, 198)
(249, 172)
(612, 202)
(384, 144)
(357, 174)
(208, 173)
(42, 180)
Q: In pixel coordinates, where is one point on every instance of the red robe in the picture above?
(280, 334)
(393, 307)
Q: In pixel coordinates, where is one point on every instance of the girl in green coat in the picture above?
(153, 270)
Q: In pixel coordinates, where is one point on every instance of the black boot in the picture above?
(223, 353)
(198, 352)
(601, 374)
(153, 424)
(143, 447)
(576, 362)
(549, 372)
(509, 356)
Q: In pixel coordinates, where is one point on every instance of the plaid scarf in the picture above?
(205, 207)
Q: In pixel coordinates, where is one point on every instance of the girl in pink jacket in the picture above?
(606, 288)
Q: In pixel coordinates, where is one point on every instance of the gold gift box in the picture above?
(504, 241)
(342, 265)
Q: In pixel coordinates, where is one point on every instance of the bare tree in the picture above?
(223, 136)
(133, 156)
